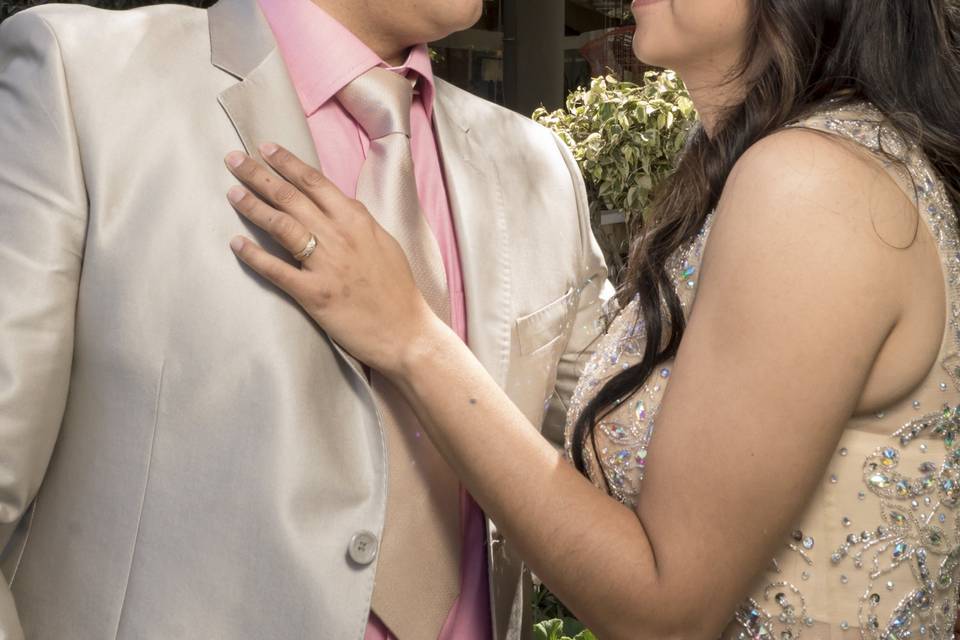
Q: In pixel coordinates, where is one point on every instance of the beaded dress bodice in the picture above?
(875, 553)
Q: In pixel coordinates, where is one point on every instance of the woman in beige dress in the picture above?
(790, 323)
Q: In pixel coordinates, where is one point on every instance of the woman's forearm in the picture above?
(589, 549)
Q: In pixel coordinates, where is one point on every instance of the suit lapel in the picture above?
(263, 105)
(240, 37)
(476, 202)
(475, 192)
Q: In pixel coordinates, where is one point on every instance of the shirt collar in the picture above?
(323, 56)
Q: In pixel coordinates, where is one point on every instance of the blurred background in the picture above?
(527, 53)
(521, 54)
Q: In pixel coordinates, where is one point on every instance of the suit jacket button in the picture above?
(363, 548)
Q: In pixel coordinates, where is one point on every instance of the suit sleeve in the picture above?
(587, 327)
(43, 212)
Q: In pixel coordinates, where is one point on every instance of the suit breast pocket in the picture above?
(545, 327)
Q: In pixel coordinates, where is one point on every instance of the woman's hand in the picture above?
(356, 284)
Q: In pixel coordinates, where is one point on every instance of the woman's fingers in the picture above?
(275, 191)
(281, 274)
(282, 227)
(309, 180)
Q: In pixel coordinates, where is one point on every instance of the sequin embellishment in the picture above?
(621, 438)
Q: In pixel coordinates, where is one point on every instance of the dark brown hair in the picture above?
(899, 55)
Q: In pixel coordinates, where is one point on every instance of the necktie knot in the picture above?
(379, 100)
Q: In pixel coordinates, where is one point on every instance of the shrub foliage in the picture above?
(625, 137)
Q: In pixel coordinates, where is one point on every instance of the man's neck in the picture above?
(355, 17)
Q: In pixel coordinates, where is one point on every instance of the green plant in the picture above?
(547, 606)
(561, 630)
(552, 620)
(625, 137)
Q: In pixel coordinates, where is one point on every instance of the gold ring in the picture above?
(308, 250)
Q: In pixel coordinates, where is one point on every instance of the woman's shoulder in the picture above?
(805, 156)
(809, 221)
(808, 182)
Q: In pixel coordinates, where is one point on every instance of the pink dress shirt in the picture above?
(322, 56)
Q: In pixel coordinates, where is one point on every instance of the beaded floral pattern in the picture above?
(621, 436)
(885, 565)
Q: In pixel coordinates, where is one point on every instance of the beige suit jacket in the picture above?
(183, 454)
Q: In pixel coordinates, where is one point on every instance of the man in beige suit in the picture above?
(182, 453)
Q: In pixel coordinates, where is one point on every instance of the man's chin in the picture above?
(460, 19)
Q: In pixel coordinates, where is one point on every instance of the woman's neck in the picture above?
(713, 89)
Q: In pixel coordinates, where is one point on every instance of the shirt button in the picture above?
(363, 548)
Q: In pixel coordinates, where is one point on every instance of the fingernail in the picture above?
(236, 194)
(237, 243)
(267, 149)
(236, 158)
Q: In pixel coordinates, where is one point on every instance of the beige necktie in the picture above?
(418, 575)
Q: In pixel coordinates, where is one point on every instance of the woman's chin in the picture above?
(647, 55)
